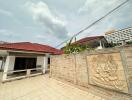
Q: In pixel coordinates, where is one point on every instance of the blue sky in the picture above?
(52, 21)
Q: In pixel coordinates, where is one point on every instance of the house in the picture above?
(93, 42)
(24, 59)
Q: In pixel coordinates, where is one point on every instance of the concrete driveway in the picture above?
(42, 88)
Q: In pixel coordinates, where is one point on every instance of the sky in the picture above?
(52, 21)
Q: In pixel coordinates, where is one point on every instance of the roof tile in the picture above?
(27, 46)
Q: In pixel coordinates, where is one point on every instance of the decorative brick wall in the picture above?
(106, 71)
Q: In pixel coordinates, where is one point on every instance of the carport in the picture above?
(24, 59)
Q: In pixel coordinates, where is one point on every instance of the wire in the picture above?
(94, 22)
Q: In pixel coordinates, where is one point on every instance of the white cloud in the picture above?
(5, 12)
(52, 23)
(97, 6)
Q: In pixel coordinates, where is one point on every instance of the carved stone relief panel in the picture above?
(106, 70)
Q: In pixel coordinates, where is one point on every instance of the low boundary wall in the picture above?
(107, 70)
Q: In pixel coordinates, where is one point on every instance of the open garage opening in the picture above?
(24, 63)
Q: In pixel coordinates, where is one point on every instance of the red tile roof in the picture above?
(88, 39)
(27, 46)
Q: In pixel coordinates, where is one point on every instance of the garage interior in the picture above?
(22, 63)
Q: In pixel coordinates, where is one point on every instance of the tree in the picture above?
(74, 47)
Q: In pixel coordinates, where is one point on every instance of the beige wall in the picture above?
(63, 67)
(108, 69)
(43, 62)
(40, 60)
(11, 63)
(0, 63)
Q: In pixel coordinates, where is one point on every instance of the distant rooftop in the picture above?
(88, 39)
(3, 42)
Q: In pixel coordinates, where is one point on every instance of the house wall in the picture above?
(43, 62)
(11, 63)
(3, 64)
(107, 72)
(0, 63)
(40, 60)
(8, 66)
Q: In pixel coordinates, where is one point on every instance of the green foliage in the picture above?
(129, 43)
(109, 45)
(74, 48)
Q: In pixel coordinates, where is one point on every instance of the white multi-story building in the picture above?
(120, 36)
